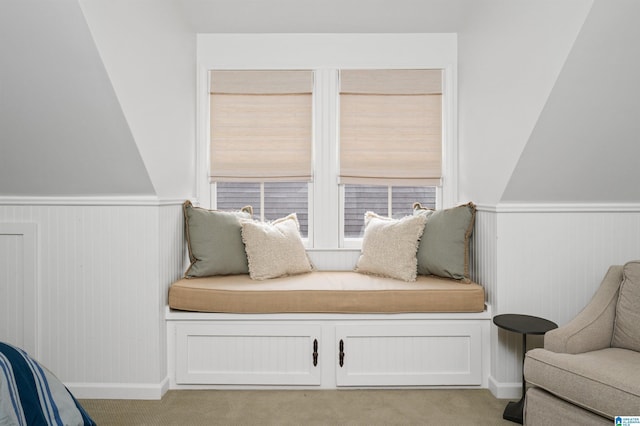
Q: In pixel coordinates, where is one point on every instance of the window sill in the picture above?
(333, 250)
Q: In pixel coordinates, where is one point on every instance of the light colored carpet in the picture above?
(304, 407)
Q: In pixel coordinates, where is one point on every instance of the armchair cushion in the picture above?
(605, 381)
(543, 409)
(626, 330)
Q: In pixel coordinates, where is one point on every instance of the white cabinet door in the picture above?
(395, 354)
(230, 353)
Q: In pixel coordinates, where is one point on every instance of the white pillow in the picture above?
(274, 249)
(389, 246)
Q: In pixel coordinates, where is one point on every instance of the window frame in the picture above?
(325, 54)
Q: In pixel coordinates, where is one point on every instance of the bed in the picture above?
(31, 395)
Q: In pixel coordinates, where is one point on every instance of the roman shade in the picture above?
(261, 126)
(391, 127)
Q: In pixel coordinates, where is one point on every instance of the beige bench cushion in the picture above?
(606, 381)
(325, 292)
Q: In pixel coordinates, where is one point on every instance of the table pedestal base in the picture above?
(513, 411)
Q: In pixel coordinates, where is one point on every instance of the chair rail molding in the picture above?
(119, 200)
(563, 207)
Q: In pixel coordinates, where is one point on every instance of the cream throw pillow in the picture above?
(274, 249)
(389, 246)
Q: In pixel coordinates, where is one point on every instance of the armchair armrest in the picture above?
(592, 328)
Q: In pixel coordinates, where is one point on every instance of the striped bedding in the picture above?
(31, 395)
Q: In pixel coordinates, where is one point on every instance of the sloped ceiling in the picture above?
(585, 146)
(62, 131)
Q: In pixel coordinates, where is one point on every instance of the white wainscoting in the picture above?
(103, 273)
(18, 286)
(102, 269)
(545, 260)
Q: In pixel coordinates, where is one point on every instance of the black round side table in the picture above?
(523, 324)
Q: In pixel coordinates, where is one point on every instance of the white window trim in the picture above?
(325, 54)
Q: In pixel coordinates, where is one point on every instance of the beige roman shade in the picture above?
(391, 127)
(261, 125)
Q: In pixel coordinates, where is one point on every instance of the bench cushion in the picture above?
(325, 292)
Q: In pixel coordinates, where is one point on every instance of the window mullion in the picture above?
(325, 207)
(262, 201)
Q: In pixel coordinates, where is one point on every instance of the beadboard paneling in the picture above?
(229, 353)
(551, 263)
(546, 261)
(18, 297)
(103, 271)
(171, 263)
(334, 260)
(485, 269)
(483, 259)
(410, 354)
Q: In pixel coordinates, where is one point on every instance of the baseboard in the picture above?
(505, 390)
(119, 390)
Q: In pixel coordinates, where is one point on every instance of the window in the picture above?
(270, 200)
(332, 242)
(394, 201)
(389, 148)
(261, 141)
(390, 142)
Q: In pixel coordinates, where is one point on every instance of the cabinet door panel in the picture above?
(439, 353)
(247, 354)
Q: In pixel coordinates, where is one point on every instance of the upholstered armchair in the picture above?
(589, 370)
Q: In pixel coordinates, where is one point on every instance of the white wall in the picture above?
(106, 249)
(105, 129)
(584, 147)
(327, 16)
(149, 54)
(510, 54)
(546, 260)
(102, 270)
(62, 131)
(570, 208)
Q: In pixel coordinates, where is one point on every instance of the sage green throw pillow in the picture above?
(214, 241)
(626, 329)
(444, 246)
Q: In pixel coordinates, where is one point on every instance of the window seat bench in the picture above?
(327, 329)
